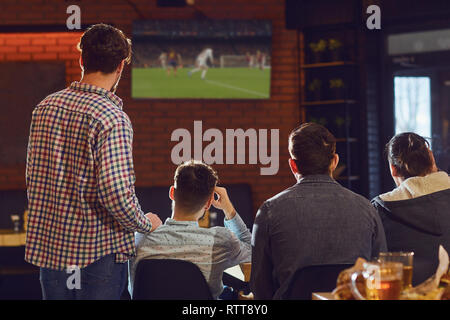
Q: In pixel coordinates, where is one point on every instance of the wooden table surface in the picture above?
(322, 296)
(10, 238)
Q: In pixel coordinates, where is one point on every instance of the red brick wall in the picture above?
(36, 47)
(154, 120)
(43, 47)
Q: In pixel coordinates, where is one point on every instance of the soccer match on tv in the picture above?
(209, 59)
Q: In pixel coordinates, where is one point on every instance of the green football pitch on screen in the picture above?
(219, 83)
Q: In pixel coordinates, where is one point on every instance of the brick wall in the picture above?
(36, 47)
(154, 120)
(53, 46)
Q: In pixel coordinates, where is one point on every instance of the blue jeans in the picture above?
(103, 279)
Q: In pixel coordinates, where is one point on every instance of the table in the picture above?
(322, 296)
(10, 238)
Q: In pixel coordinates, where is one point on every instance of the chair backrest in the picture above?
(316, 278)
(169, 279)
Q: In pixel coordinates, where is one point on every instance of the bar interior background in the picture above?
(369, 83)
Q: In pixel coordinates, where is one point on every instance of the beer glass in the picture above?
(383, 281)
(406, 258)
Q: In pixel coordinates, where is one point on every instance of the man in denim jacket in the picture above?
(314, 222)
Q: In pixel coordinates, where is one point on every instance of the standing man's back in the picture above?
(314, 222)
(83, 211)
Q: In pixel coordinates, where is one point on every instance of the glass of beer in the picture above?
(383, 281)
(405, 258)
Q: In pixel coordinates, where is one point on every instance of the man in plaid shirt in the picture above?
(83, 210)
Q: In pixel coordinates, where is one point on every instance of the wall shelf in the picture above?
(347, 140)
(328, 64)
(348, 178)
(336, 107)
(326, 102)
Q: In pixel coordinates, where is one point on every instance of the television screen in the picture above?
(210, 59)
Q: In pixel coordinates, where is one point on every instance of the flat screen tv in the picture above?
(201, 59)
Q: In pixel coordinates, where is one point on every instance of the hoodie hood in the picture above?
(418, 186)
(420, 202)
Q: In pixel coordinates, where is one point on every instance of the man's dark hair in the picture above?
(103, 48)
(410, 155)
(194, 183)
(312, 147)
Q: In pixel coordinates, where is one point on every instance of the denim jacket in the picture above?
(314, 222)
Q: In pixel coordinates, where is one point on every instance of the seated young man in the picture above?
(314, 222)
(212, 249)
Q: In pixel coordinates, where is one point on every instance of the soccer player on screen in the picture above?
(200, 63)
(163, 60)
(250, 60)
(175, 62)
(260, 59)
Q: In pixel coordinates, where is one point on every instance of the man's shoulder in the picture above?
(283, 196)
(353, 199)
(54, 98)
(97, 107)
(220, 231)
(142, 239)
(223, 238)
(354, 196)
(193, 234)
(280, 199)
(298, 193)
(167, 233)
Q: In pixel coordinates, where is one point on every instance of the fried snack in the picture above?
(446, 293)
(434, 294)
(435, 287)
(445, 283)
(343, 289)
(445, 280)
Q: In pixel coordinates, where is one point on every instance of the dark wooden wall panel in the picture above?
(23, 85)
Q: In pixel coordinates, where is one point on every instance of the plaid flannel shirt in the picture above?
(80, 180)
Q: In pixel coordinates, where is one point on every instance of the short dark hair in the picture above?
(194, 183)
(103, 48)
(409, 153)
(312, 147)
